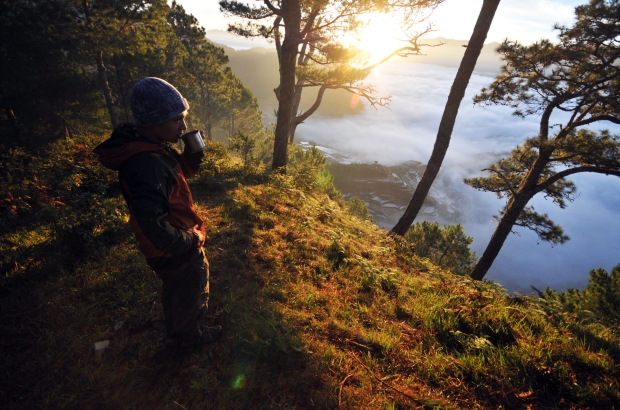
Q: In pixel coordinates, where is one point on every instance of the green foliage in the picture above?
(47, 95)
(244, 144)
(240, 108)
(545, 228)
(214, 160)
(375, 278)
(336, 254)
(359, 208)
(307, 168)
(60, 56)
(447, 247)
(62, 198)
(599, 301)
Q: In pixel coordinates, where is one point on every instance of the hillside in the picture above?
(320, 309)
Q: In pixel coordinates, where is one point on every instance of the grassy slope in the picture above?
(320, 310)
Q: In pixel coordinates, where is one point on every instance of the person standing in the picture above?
(153, 178)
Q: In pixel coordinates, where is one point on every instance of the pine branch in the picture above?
(563, 174)
(501, 175)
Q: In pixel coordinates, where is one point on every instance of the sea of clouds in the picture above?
(407, 130)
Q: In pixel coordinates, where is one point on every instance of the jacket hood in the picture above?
(122, 144)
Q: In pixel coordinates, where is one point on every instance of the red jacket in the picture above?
(153, 182)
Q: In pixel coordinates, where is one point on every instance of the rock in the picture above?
(99, 347)
(118, 325)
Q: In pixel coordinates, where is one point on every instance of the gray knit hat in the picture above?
(154, 101)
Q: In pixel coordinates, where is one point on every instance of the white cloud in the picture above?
(481, 135)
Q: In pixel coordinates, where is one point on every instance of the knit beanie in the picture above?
(154, 101)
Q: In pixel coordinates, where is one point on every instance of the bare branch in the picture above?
(310, 21)
(301, 118)
(271, 7)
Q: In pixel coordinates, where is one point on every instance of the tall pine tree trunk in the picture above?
(295, 110)
(8, 111)
(504, 227)
(516, 203)
(302, 60)
(13, 121)
(448, 119)
(291, 14)
(105, 88)
(209, 131)
(121, 91)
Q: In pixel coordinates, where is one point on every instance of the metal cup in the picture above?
(193, 141)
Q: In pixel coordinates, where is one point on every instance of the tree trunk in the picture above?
(208, 122)
(14, 123)
(295, 109)
(208, 119)
(121, 91)
(291, 14)
(448, 119)
(516, 204)
(232, 124)
(302, 60)
(504, 227)
(292, 131)
(66, 129)
(105, 87)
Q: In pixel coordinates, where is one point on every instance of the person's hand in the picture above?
(201, 238)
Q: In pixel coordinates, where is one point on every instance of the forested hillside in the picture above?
(321, 309)
(67, 68)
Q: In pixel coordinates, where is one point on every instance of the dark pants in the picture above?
(185, 296)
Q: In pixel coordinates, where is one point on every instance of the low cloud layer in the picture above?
(407, 130)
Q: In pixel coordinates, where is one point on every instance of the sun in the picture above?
(381, 36)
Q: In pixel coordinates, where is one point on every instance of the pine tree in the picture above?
(310, 53)
(579, 76)
(447, 247)
(600, 300)
(95, 30)
(444, 133)
(204, 68)
(43, 95)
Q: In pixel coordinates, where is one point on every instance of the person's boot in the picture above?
(204, 336)
(208, 334)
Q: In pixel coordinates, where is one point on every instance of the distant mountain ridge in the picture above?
(256, 64)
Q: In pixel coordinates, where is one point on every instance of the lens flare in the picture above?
(355, 99)
(238, 382)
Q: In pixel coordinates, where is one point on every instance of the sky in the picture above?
(523, 20)
(406, 131)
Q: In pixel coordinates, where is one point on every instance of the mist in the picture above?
(406, 131)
